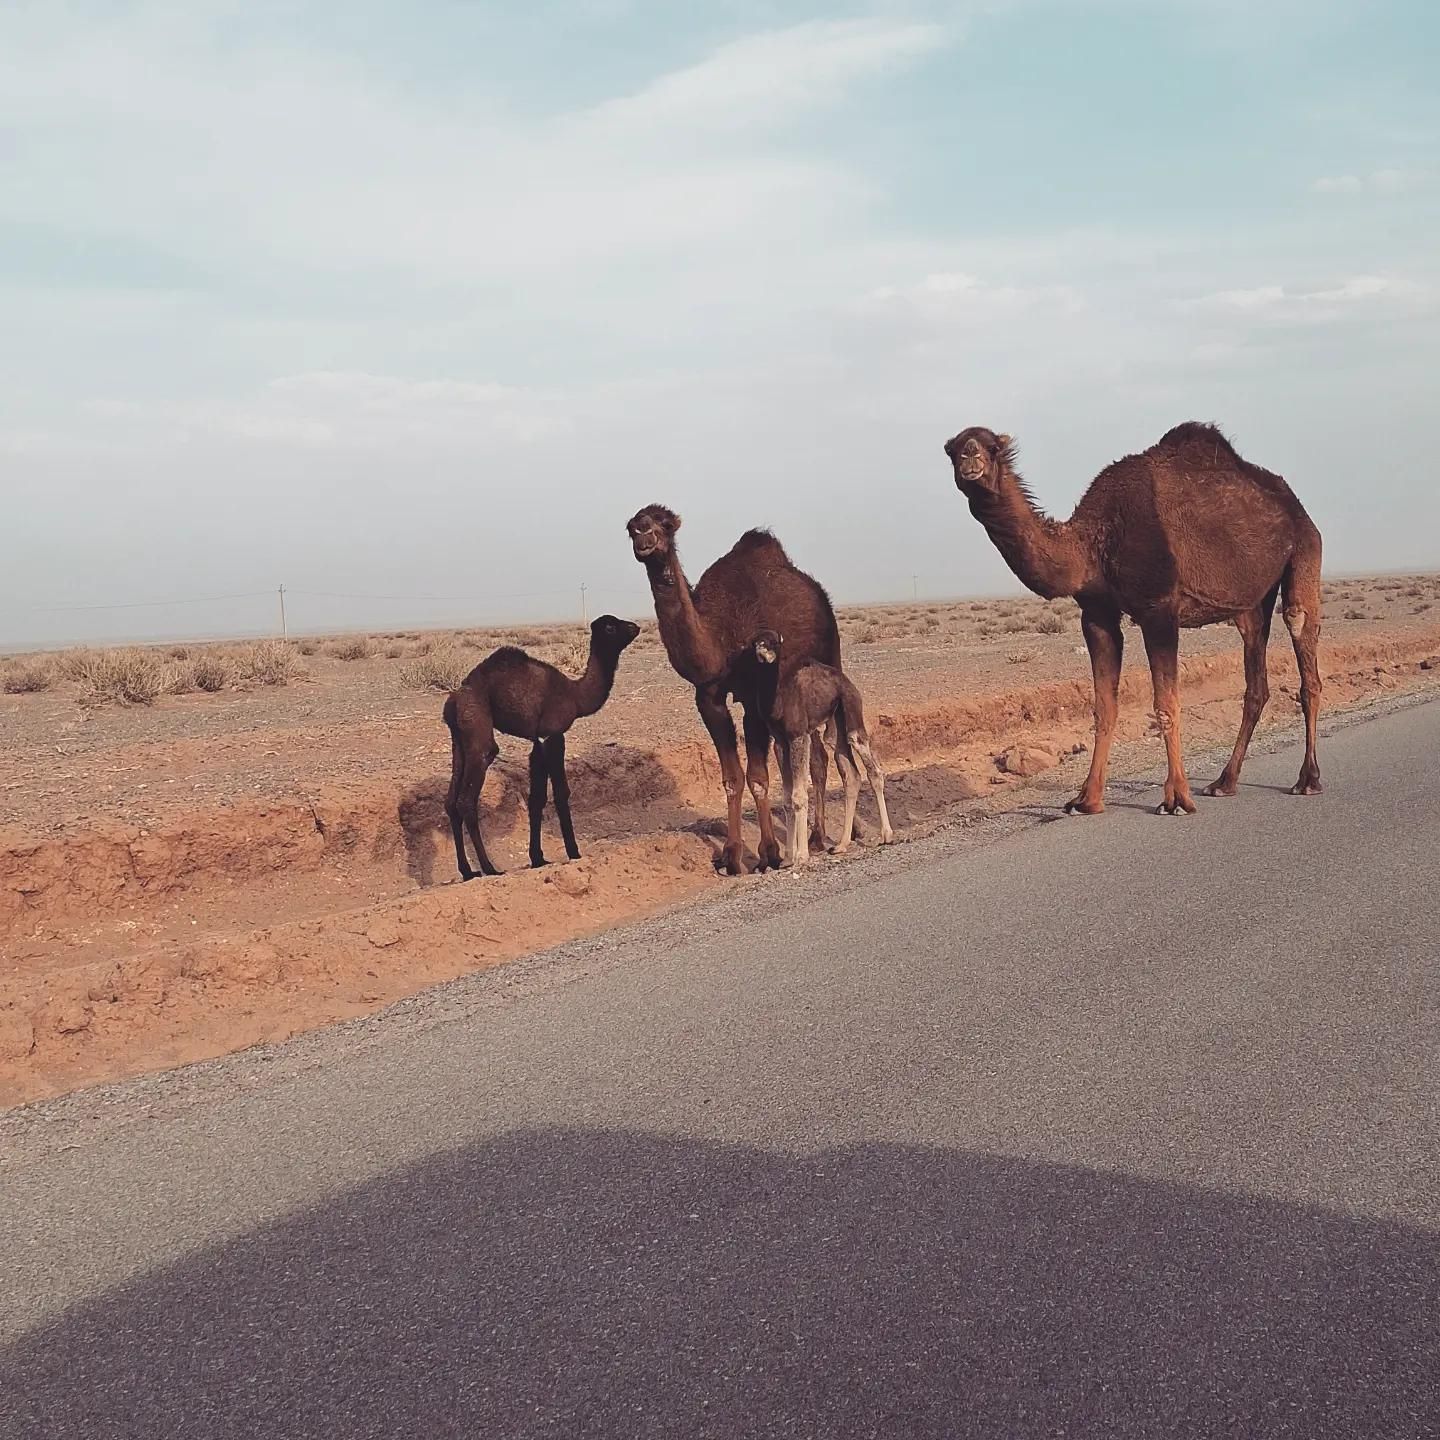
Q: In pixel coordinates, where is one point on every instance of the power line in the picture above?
(157, 604)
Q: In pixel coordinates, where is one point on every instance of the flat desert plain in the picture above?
(204, 848)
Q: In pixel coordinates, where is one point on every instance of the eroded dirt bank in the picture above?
(135, 946)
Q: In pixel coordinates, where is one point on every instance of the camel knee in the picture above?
(1296, 619)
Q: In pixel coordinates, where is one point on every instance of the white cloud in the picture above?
(761, 79)
(1392, 180)
(242, 158)
(1316, 303)
(352, 411)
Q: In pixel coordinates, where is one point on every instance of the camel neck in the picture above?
(687, 638)
(593, 688)
(1048, 556)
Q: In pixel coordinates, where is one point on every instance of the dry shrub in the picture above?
(351, 647)
(1016, 625)
(569, 653)
(266, 662)
(1356, 615)
(394, 652)
(30, 675)
(127, 676)
(210, 671)
(1050, 624)
(1020, 657)
(309, 647)
(867, 634)
(179, 652)
(74, 663)
(441, 667)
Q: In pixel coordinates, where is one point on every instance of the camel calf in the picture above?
(819, 701)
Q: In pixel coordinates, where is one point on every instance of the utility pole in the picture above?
(584, 606)
(914, 587)
(284, 628)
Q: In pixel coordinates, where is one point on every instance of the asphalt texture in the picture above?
(1113, 1126)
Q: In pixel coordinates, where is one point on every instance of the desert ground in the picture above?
(208, 847)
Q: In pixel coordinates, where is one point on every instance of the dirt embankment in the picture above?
(134, 947)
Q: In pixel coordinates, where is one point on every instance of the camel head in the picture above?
(766, 645)
(610, 635)
(980, 457)
(652, 532)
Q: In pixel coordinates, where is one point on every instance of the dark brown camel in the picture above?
(516, 694)
(707, 634)
(822, 702)
(1183, 535)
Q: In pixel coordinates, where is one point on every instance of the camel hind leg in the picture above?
(1300, 587)
(472, 751)
(850, 778)
(860, 743)
(1254, 628)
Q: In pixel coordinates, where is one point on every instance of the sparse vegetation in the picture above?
(30, 675)
(351, 647)
(266, 662)
(1050, 624)
(441, 667)
(127, 676)
(210, 671)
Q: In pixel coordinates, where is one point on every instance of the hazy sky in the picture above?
(426, 300)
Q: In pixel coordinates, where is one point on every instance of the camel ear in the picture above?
(671, 522)
(1004, 441)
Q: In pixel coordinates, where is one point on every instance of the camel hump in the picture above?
(505, 658)
(1196, 432)
(754, 542)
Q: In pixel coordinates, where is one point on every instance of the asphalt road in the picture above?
(1125, 1126)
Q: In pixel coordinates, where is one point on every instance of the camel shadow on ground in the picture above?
(606, 1282)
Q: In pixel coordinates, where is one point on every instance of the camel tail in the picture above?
(448, 715)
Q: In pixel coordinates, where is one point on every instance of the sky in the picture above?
(409, 308)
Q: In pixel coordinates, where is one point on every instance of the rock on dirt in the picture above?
(17, 1035)
(64, 1015)
(1026, 760)
(571, 880)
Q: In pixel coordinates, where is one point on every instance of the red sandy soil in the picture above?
(187, 879)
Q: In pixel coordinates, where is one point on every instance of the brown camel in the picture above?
(820, 701)
(707, 634)
(516, 694)
(1183, 535)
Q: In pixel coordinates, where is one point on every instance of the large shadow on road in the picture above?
(584, 1283)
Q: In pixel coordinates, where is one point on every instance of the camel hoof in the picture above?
(887, 837)
(1217, 790)
(731, 862)
(1179, 807)
(1307, 787)
(769, 857)
(840, 848)
(536, 864)
(1081, 806)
